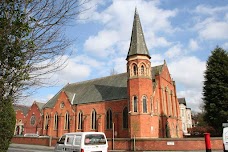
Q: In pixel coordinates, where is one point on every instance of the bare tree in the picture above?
(113, 71)
(33, 44)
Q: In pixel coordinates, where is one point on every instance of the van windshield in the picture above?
(95, 139)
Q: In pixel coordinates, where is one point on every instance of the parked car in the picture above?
(82, 142)
(225, 139)
(31, 135)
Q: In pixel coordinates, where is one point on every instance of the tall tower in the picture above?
(140, 86)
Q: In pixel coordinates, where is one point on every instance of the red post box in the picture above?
(207, 142)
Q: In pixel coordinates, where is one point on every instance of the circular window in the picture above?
(33, 120)
(62, 105)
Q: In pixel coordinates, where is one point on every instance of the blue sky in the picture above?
(181, 32)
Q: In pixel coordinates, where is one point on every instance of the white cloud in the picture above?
(203, 9)
(174, 51)
(214, 30)
(153, 41)
(193, 98)
(193, 45)
(73, 72)
(88, 8)
(215, 25)
(104, 40)
(188, 71)
(117, 21)
(225, 46)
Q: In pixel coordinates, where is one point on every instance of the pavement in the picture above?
(26, 146)
(45, 148)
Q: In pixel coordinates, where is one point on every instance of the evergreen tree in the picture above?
(215, 90)
(7, 124)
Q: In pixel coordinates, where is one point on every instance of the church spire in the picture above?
(137, 45)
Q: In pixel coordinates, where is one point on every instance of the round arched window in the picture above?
(33, 120)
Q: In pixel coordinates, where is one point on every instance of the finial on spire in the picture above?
(136, 11)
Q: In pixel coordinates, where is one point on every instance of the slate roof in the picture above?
(137, 44)
(23, 108)
(102, 89)
(40, 105)
(182, 101)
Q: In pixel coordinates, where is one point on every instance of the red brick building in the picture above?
(21, 112)
(29, 119)
(140, 103)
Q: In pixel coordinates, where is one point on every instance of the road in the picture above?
(29, 148)
(26, 150)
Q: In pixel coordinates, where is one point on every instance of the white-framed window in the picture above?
(56, 121)
(46, 121)
(94, 119)
(67, 121)
(142, 70)
(135, 70)
(144, 100)
(80, 116)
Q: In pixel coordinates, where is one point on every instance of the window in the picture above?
(142, 70)
(125, 117)
(94, 118)
(56, 121)
(95, 139)
(109, 119)
(62, 105)
(80, 115)
(135, 104)
(62, 139)
(46, 121)
(33, 120)
(67, 122)
(135, 70)
(77, 140)
(69, 140)
(144, 104)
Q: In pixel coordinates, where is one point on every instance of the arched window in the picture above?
(46, 122)
(67, 121)
(142, 70)
(125, 118)
(135, 104)
(109, 119)
(33, 120)
(80, 115)
(56, 121)
(144, 104)
(94, 118)
(135, 70)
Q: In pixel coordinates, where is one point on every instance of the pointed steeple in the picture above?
(137, 45)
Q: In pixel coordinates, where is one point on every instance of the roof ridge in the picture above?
(96, 79)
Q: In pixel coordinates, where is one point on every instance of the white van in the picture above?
(225, 139)
(82, 142)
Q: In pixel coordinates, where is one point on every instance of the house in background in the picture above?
(140, 103)
(28, 119)
(21, 112)
(186, 115)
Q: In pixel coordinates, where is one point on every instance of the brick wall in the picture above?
(175, 144)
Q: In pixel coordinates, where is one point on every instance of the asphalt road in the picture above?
(26, 150)
(29, 148)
